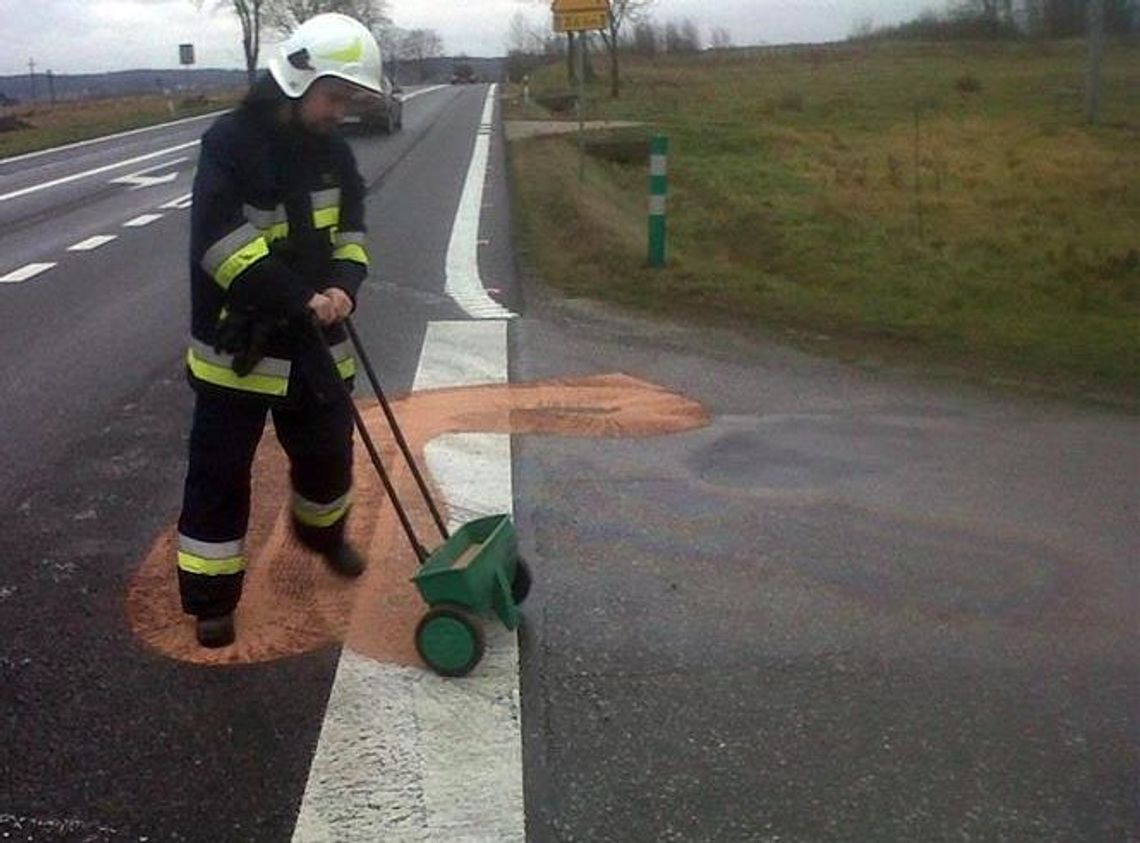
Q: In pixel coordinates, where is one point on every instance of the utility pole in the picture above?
(1096, 58)
(32, 76)
(51, 86)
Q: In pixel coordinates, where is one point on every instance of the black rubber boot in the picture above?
(217, 631)
(346, 561)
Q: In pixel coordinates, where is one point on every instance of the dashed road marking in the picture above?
(139, 222)
(179, 204)
(92, 243)
(25, 272)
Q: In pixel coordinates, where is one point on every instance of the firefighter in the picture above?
(277, 256)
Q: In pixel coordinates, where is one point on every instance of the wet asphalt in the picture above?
(854, 607)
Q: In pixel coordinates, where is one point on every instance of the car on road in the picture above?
(463, 74)
(383, 112)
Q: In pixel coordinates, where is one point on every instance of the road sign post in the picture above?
(580, 16)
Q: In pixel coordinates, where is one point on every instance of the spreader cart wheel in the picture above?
(450, 640)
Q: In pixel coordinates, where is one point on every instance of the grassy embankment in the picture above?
(936, 204)
(27, 128)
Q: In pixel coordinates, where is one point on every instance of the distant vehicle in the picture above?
(463, 74)
(384, 112)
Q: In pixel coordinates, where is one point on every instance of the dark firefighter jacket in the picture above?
(278, 215)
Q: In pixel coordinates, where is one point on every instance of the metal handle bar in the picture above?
(395, 427)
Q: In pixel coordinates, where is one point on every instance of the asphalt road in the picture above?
(845, 606)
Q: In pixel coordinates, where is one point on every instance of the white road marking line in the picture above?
(92, 243)
(140, 221)
(405, 755)
(24, 191)
(421, 92)
(78, 144)
(179, 204)
(463, 282)
(25, 272)
(140, 178)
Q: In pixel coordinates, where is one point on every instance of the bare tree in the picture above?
(523, 37)
(645, 38)
(284, 15)
(249, 13)
(621, 13)
(419, 45)
(721, 38)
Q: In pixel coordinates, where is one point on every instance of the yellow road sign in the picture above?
(580, 21)
(559, 6)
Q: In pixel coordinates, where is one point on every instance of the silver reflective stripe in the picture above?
(304, 506)
(657, 206)
(341, 351)
(209, 550)
(326, 198)
(348, 238)
(658, 165)
(273, 366)
(263, 218)
(223, 249)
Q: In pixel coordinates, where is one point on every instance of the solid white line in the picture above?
(405, 755)
(92, 243)
(78, 144)
(25, 272)
(421, 92)
(140, 221)
(463, 282)
(24, 191)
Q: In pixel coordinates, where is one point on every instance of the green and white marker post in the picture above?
(658, 190)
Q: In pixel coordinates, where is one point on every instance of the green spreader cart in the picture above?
(476, 573)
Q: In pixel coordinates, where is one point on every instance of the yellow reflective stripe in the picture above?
(345, 362)
(326, 217)
(210, 567)
(351, 54)
(229, 255)
(314, 514)
(351, 252)
(275, 366)
(276, 232)
(222, 375)
(239, 261)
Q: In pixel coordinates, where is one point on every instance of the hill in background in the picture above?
(19, 89)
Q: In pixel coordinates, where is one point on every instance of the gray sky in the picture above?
(85, 36)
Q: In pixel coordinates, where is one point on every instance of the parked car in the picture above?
(384, 112)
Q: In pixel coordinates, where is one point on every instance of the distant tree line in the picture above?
(1008, 19)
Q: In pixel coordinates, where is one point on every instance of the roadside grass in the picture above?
(28, 128)
(936, 203)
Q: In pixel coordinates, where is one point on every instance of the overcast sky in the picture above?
(87, 36)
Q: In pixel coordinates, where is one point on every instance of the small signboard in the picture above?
(186, 53)
(580, 21)
(580, 6)
(580, 15)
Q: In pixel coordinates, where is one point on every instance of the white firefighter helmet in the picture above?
(329, 44)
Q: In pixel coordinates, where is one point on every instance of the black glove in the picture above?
(245, 335)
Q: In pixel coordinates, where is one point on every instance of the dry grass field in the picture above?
(25, 128)
(945, 204)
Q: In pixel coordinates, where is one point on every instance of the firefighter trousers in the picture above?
(316, 436)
